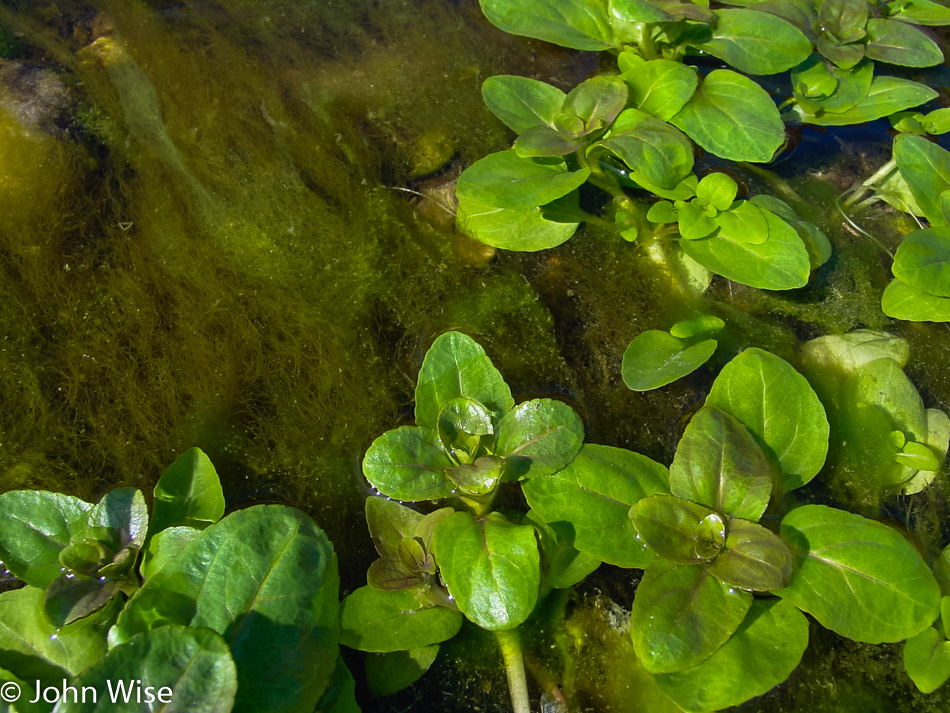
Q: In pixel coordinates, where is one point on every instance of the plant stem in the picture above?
(510, 644)
(645, 42)
(881, 173)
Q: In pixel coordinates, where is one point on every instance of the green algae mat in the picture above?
(605, 340)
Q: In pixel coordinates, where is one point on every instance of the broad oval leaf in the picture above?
(373, 620)
(165, 546)
(579, 24)
(658, 152)
(849, 352)
(408, 463)
(832, 88)
(762, 653)
(919, 12)
(719, 464)
(886, 96)
(745, 222)
(922, 260)
(389, 673)
(717, 190)
(594, 493)
(525, 229)
(507, 180)
(778, 405)
(659, 87)
(491, 566)
(597, 101)
(883, 384)
(753, 558)
(456, 366)
(682, 616)
(902, 301)
(654, 359)
(390, 522)
(858, 577)
(123, 514)
(678, 530)
(539, 437)
(756, 42)
(899, 43)
(184, 668)
(522, 103)
(927, 660)
(926, 169)
(188, 493)
(35, 526)
(733, 118)
(779, 263)
(266, 579)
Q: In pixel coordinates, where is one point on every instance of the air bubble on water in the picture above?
(70, 575)
(53, 637)
(731, 590)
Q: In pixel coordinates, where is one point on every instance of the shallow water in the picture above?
(210, 235)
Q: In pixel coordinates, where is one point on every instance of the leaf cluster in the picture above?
(213, 614)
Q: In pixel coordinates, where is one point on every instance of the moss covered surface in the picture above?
(216, 240)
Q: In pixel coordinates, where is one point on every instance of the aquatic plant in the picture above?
(635, 129)
(249, 601)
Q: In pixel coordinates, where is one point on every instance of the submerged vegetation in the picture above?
(276, 229)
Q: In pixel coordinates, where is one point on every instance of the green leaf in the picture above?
(719, 464)
(843, 19)
(777, 404)
(694, 224)
(899, 43)
(779, 263)
(543, 141)
(123, 514)
(744, 223)
(886, 96)
(491, 566)
(937, 121)
(902, 301)
(659, 87)
(480, 477)
(651, 147)
(188, 493)
(831, 88)
(522, 103)
(919, 12)
(597, 101)
(408, 463)
(883, 384)
(701, 325)
(372, 620)
(389, 523)
(579, 24)
(678, 530)
(654, 359)
(682, 616)
(816, 242)
(594, 493)
(34, 527)
(733, 118)
(266, 579)
(462, 423)
(858, 577)
(762, 653)
(340, 696)
(389, 673)
(753, 558)
(633, 11)
(917, 456)
(456, 367)
(539, 437)
(847, 353)
(524, 229)
(184, 668)
(507, 180)
(73, 597)
(923, 261)
(717, 190)
(756, 42)
(165, 546)
(34, 647)
(927, 660)
(563, 565)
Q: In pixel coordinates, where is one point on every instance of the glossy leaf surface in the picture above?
(408, 463)
(682, 616)
(524, 229)
(779, 407)
(927, 659)
(266, 579)
(659, 87)
(391, 672)
(594, 494)
(507, 180)
(579, 24)
(491, 567)
(858, 577)
(899, 43)
(732, 117)
(522, 103)
(922, 260)
(754, 558)
(654, 359)
(886, 96)
(372, 620)
(903, 301)
(188, 494)
(657, 151)
(756, 42)
(677, 529)
(762, 653)
(539, 437)
(719, 464)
